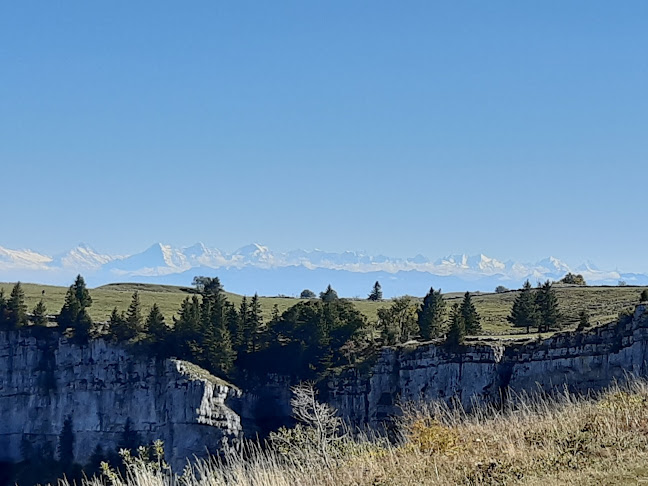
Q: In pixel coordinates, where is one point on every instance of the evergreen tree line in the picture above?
(404, 320)
(13, 310)
(536, 308)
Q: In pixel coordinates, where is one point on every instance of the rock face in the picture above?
(488, 372)
(45, 379)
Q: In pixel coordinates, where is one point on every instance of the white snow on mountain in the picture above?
(161, 260)
(81, 257)
(22, 259)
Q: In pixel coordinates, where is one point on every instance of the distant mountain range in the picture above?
(255, 268)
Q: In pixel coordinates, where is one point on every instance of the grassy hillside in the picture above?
(602, 303)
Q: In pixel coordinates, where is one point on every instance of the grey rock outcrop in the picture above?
(44, 379)
(490, 371)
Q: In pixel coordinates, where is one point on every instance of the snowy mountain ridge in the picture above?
(165, 262)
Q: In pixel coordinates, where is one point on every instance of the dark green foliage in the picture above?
(457, 327)
(573, 279)
(134, 314)
(398, 322)
(471, 318)
(156, 327)
(644, 296)
(66, 444)
(307, 294)
(583, 320)
(547, 304)
(431, 315)
(500, 289)
(16, 309)
(376, 294)
(3, 310)
(329, 295)
(73, 314)
(39, 314)
(309, 335)
(252, 326)
(119, 329)
(525, 310)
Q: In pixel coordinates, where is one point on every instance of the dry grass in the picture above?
(540, 441)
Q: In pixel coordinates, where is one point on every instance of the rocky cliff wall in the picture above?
(45, 379)
(488, 371)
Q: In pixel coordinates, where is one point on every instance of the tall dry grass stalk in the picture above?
(565, 439)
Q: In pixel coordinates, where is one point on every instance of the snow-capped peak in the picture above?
(81, 257)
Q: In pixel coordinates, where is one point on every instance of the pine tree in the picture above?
(81, 292)
(74, 314)
(66, 444)
(431, 315)
(254, 324)
(3, 310)
(118, 327)
(457, 328)
(155, 325)
(39, 314)
(644, 296)
(240, 343)
(524, 312)
(376, 294)
(471, 317)
(329, 295)
(583, 320)
(16, 308)
(134, 314)
(547, 303)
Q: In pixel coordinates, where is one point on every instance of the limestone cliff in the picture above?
(45, 379)
(489, 371)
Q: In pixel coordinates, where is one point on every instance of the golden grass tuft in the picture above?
(549, 441)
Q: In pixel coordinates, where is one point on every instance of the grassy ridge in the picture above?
(602, 303)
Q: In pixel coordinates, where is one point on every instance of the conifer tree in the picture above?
(329, 295)
(118, 327)
(524, 312)
(39, 314)
(644, 296)
(233, 322)
(254, 324)
(471, 317)
(66, 444)
(583, 320)
(376, 294)
(134, 314)
(16, 308)
(240, 338)
(74, 314)
(547, 304)
(3, 310)
(155, 325)
(431, 315)
(457, 327)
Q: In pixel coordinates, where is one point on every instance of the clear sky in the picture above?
(514, 128)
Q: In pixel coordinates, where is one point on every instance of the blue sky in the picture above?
(516, 129)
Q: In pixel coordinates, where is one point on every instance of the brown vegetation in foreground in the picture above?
(563, 440)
